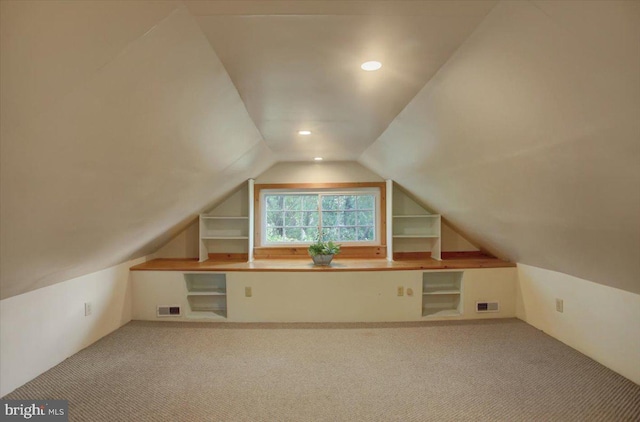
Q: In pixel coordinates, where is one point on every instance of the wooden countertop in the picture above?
(303, 265)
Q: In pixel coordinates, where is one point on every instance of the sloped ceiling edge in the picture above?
(527, 139)
(98, 173)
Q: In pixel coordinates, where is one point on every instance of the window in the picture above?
(297, 216)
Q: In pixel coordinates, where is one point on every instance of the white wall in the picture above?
(318, 172)
(600, 321)
(453, 242)
(184, 245)
(41, 328)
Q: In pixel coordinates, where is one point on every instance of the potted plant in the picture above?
(322, 252)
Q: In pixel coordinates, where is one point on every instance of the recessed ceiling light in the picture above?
(371, 66)
(318, 158)
(304, 132)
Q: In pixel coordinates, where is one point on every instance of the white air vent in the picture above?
(168, 311)
(487, 307)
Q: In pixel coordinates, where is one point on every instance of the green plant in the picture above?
(320, 247)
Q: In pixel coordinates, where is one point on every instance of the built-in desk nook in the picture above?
(350, 290)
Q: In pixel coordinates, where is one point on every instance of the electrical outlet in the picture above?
(247, 292)
(559, 305)
(87, 308)
(400, 291)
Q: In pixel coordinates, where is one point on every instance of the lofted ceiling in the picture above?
(528, 139)
(296, 64)
(121, 121)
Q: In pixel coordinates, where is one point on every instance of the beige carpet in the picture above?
(498, 370)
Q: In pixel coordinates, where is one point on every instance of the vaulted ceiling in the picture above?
(298, 67)
(120, 121)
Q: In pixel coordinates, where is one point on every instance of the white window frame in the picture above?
(375, 191)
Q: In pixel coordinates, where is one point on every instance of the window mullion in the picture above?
(320, 222)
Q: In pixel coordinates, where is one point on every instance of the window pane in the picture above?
(296, 218)
(332, 202)
(347, 234)
(310, 218)
(366, 233)
(292, 218)
(293, 234)
(275, 218)
(292, 202)
(331, 233)
(349, 202)
(309, 234)
(366, 202)
(330, 219)
(275, 234)
(365, 218)
(310, 202)
(274, 202)
(349, 218)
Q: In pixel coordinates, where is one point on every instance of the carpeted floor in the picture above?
(493, 370)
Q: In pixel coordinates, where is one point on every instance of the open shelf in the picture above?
(207, 282)
(441, 293)
(225, 237)
(417, 216)
(208, 303)
(417, 226)
(216, 217)
(214, 314)
(439, 312)
(414, 232)
(226, 230)
(207, 295)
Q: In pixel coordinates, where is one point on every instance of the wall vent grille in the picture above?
(168, 311)
(482, 307)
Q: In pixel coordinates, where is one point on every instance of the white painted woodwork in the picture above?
(227, 228)
(326, 296)
(389, 211)
(442, 294)
(413, 227)
(251, 215)
(187, 243)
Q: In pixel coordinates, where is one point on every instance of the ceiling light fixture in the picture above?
(318, 158)
(371, 66)
(304, 132)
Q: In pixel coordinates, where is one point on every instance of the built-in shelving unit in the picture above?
(415, 233)
(226, 231)
(442, 294)
(207, 295)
